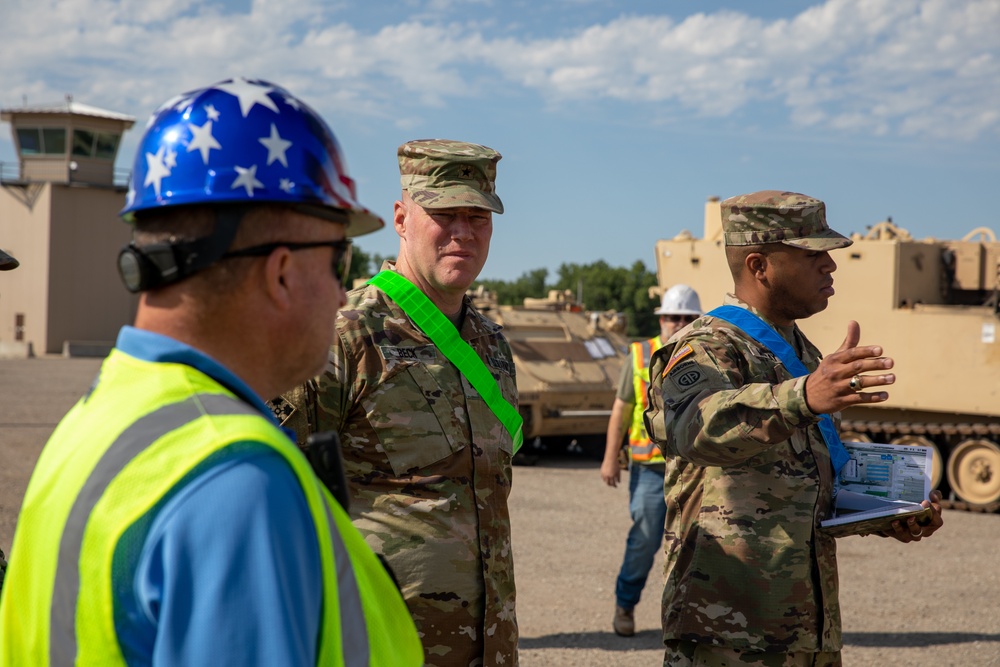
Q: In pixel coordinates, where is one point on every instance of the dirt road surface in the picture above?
(935, 603)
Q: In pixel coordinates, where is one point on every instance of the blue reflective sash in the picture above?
(760, 331)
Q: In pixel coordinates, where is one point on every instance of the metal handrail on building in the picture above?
(10, 172)
(122, 176)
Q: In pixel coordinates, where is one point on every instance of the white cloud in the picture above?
(903, 67)
(859, 65)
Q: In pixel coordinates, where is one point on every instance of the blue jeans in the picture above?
(649, 512)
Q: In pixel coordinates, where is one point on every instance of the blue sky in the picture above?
(616, 120)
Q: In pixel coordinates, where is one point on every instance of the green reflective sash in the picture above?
(443, 333)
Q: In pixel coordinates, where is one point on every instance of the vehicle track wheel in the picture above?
(854, 436)
(974, 471)
(937, 467)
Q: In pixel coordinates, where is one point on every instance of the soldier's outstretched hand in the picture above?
(841, 381)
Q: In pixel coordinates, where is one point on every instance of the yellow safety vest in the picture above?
(641, 448)
(117, 454)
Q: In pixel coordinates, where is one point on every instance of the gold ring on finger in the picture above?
(855, 383)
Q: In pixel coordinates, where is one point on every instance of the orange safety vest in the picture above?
(641, 448)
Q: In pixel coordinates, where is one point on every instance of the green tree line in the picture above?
(598, 286)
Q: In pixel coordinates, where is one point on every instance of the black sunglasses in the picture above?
(341, 254)
(681, 318)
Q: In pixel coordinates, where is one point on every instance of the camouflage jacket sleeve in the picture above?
(708, 403)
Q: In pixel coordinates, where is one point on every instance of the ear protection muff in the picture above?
(146, 268)
(159, 264)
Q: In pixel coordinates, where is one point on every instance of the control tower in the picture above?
(59, 217)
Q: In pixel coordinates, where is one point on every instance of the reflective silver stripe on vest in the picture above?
(353, 629)
(132, 442)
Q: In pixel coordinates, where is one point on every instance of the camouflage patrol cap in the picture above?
(7, 262)
(772, 216)
(439, 173)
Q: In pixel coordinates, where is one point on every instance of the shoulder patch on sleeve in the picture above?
(679, 354)
(687, 375)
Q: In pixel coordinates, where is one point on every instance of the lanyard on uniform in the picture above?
(443, 333)
(760, 331)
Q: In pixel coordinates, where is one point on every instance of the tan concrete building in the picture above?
(59, 217)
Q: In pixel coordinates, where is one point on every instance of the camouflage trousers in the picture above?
(691, 654)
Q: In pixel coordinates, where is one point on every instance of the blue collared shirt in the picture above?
(226, 570)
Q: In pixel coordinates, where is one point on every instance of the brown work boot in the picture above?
(624, 623)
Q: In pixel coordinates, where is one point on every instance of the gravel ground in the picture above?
(935, 603)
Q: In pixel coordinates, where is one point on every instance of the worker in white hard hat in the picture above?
(680, 306)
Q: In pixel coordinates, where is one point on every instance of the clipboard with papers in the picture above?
(881, 483)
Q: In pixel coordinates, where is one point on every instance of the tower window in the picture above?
(41, 141)
(106, 145)
(95, 144)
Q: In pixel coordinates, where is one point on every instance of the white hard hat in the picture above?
(679, 300)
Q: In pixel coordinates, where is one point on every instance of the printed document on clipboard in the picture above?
(878, 485)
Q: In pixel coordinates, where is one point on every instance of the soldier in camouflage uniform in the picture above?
(749, 577)
(428, 462)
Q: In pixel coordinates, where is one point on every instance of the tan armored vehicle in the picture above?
(567, 362)
(933, 307)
